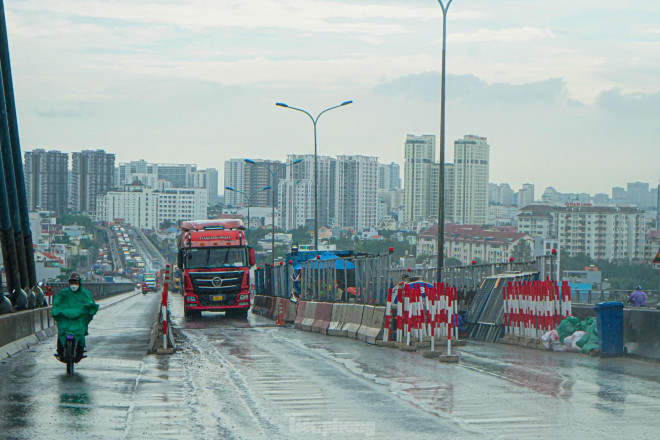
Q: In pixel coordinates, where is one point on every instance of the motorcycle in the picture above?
(70, 354)
(145, 289)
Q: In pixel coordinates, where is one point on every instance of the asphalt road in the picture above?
(252, 380)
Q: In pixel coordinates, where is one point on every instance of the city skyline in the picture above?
(559, 89)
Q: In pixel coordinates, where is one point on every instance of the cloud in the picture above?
(616, 101)
(512, 35)
(65, 110)
(426, 87)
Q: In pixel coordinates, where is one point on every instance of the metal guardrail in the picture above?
(366, 279)
(581, 296)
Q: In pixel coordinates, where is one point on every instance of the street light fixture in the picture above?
(441, 196)
(248, 198)
(314, 121)
(273, 186)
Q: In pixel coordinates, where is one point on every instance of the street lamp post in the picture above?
(247, 198)
(273, 174)
(441, 195)
(314, 121)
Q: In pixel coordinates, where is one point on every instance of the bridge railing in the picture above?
(367, 279)
(591, 296)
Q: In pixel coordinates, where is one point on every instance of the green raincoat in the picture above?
(73, 311)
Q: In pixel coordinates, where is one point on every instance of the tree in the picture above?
(76, 219)
(522, 251)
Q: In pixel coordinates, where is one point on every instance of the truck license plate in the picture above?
(218, 298)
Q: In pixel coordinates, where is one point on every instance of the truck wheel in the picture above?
(192, 314)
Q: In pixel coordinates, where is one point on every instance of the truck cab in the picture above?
(215, 260)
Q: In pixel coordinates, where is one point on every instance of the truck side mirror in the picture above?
(179, 259)
(251, 259)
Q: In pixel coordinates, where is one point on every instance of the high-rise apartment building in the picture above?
(356, 192)
(46, 174)
(502, 194)
(602, 232)
(126, 171)
(207, 179)
(93, 174)
(419, 160)
(526, 195)
(258, 176)
(449, 191)
(471, 172)
(180, 175)
(638, 194)
(234, 178)
(389, 176)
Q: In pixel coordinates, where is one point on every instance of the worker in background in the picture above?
(637, 298)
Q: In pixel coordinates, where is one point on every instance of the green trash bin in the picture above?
(610, 327)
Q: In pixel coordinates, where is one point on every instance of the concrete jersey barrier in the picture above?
(338, 319)
(372, 324)
(22, 329)
(291, 308)
(322, 317)
(367, 316)
(300, 314)
(353, 320)
(310, 314)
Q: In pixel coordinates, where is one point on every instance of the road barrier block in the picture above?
(290, 311)
(300, 314)
(256, 303)
(367, 317)
(353, 320)
(372, 329)
(338, 319)
(310, 314)
(272, 307)
(322, 318)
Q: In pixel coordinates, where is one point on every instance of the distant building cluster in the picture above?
(352, 189)
(484, 220)
(139, 193)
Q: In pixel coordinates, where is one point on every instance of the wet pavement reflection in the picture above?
(250, 379)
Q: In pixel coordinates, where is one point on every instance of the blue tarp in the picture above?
(339, 264)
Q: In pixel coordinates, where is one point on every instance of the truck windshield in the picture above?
(216, 257)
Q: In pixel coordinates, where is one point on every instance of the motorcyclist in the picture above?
(73, 310)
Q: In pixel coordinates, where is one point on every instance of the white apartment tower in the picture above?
(526, 195)
(234, 178)
(419, 160)
(207, 179)
(356, 192)
(602, 232)
(389, 176)
(296, 192)
(471, 172)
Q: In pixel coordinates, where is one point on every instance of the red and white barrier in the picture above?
(166, 288)
(534, 308)
(421, 311)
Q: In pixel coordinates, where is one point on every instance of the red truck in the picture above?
(215, 262)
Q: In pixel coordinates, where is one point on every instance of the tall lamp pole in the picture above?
(441, 195)
(273, 174)
(314, 121)
(247, 198)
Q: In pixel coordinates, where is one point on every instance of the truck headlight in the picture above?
(191, 298)
(243, 297)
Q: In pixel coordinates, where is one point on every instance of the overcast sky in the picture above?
(567, 93)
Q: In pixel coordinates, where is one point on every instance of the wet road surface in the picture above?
(252, 380)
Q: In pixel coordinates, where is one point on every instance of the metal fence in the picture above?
(581, 296)
(366, 279)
